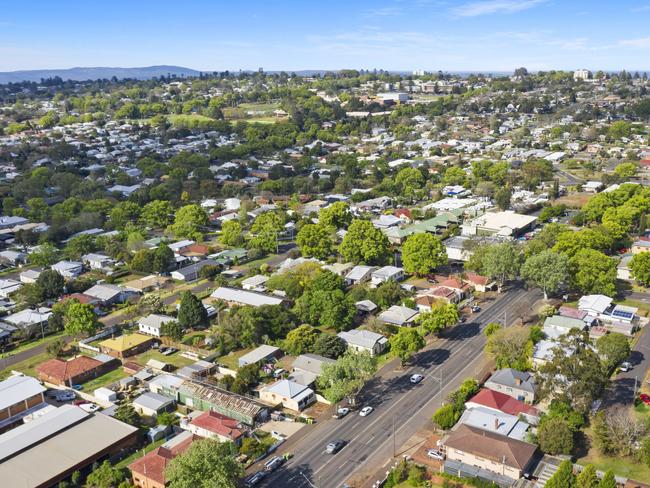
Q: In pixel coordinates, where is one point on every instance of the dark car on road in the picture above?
(334, 446)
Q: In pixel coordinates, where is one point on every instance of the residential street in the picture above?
(400, 407)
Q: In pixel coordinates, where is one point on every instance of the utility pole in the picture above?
(394, 449)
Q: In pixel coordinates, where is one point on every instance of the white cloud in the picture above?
(383, 12)
(642, 42)
(487, 7)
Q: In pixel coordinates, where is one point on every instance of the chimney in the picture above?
(496, 423)
(517, 381)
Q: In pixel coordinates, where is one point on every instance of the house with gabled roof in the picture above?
(289, 394)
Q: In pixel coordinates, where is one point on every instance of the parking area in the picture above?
(286, 429)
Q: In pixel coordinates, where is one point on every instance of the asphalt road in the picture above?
(401, 409)
(622, 389)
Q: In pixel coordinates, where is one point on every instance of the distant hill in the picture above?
(83, 74)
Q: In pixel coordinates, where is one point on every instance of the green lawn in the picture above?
(37, 342)
(232, 360)
(28, 366)
(104, 380)
(621, 466)
(174, 359)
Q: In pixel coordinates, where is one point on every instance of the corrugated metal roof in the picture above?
(17, 389)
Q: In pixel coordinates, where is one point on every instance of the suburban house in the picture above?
(359, 274)
(106, 294)
(307, 368)
(361, 340)
(29, 318)
(9, 286)
(520, 385)
(236, 296)
(148, 283)
(213, 425)
(260, 354)
(558, 325)
(149, 470)
(475, 452)
(399, 316)
(480, 283)
(97, 261)
(502, 402)
(152, 324)
(68, 269)
(339, 269)
(618, 318)
(504, 224)
(290, 394)
(151, 404)
(19, 396)
(255, 283)
(75, 371)
(387, 273)
(193, 271)
(29, 275)
(13, 258)
(495, 421)
(126, 345)
(642, 245)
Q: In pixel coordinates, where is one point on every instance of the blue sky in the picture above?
(453, 35)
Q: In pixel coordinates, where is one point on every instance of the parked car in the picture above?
(334, 446)
(255, 479)
(645, 398)
(625, 366)
(89, 407)
(63, 395)
(416, 378)
(341, 412)
(476, 308)
(273, 463)
(365, 411)
(77, 387)
(435, 454)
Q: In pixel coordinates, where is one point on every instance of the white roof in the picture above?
(28, 316)
(244, 297)
(256, 280)
(362, 338)
(290, 389)
(155, 320)
(175, 246)
(359, 272)
(103, 292)
(596, 303)
(387, 271)
(17, 389)
(503, 220)
(398, 315)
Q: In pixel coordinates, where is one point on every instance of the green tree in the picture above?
(301, 340)
(555, 436)
(346, 377)
(191, 312)
(592, 272)
(563, 477)
(640, 267)
(406, 343)
(446, 416)
(330, 346)
(188, 222)
(206, 463)
(105, 476)
(438, 318)
(172, 329)
(364, 243)
(587, 477)
(315, 240)
(423, 253)
(625, 171)
(50, 283)
(124, 213)
(265, 231)
(510, 347)
(570, 242)
(548, 270)
(491, 328)
(45, 255)
(613, 348)
(608, 481)
(502, 198)
(231, 233)
(162, 259)
(80, 245)
(80, 319)
(127, 414)
(501, 262)
(157, 214)
(337, 215)
(142, 261)
(409, 182)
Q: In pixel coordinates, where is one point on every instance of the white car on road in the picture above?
(365, 411)
(416, 378)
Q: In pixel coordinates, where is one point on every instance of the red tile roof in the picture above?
(502, 402)
(64, 370)
(476, 279)
(153, 464)
(573, 313)
(218, 424)
(81, 297)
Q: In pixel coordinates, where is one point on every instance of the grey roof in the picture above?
(312, 363)
(362, 338)
(509, 377)
(17, 389)
(245, 297)
(152, 401)
(494, 421)
(359, 272)
(398, 315)
(103, 291)
(290, 389)
(258, 354)
(193, 269)
(64, 451)
(156, 320)
(387, 271)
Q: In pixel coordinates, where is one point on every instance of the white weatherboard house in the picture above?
(364, 340)
(152, 324)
